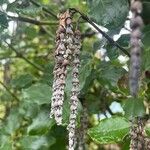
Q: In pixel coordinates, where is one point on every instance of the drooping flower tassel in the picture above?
(135, 62)
(75, 91)
(83, 129)
(63, 55)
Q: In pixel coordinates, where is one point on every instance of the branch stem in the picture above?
(8, 90)
(32, 21)
(100, 31)
(24, 58)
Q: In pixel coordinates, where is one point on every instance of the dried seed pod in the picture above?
(63, 56)
(75, 91)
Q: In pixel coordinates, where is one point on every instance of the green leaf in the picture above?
(5, 143)
(110, 73)
(146, 36)
(90, 76)
(145, 60)
(38, 93)
(48, 74)
(29, 110)
(146, 39)
(36, 142)
(146, 11)
(45, 2)
(13, 121)
(147, 130)
(109, 13)
(96, 46)
(41, 124)
(3, 20)
(126, 144)
(30, 11)
(124, 40)
(85, 72)
(31, 32)
(93, 102)
(22, 81)
(66, 111)
(112, 51)
(73, 3)
(60, 134)
(134, 108)
(110, 130)
(2, 1)
(5, 53)
(6, 97)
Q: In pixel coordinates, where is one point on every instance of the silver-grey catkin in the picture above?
(75, 91)
(135, 61)
(81, 145)
(136, 133)
(63, 54)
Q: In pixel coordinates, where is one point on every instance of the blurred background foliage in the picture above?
(27, 43)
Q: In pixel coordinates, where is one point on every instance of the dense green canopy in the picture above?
(27, 44)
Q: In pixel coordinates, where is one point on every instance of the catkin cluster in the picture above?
(68, 44)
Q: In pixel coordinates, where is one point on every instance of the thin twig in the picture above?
(32, 21)
(8, 90)
(24, 58)
(35, 22)
(29, 20)
(100, 31)
(109, 110)
(44, 9)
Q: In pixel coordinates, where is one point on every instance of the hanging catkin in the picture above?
(147, 144)
(68, 44)
(83, 128)
(136, 133)
(63, 52)
(75, 91)
(136, 25)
